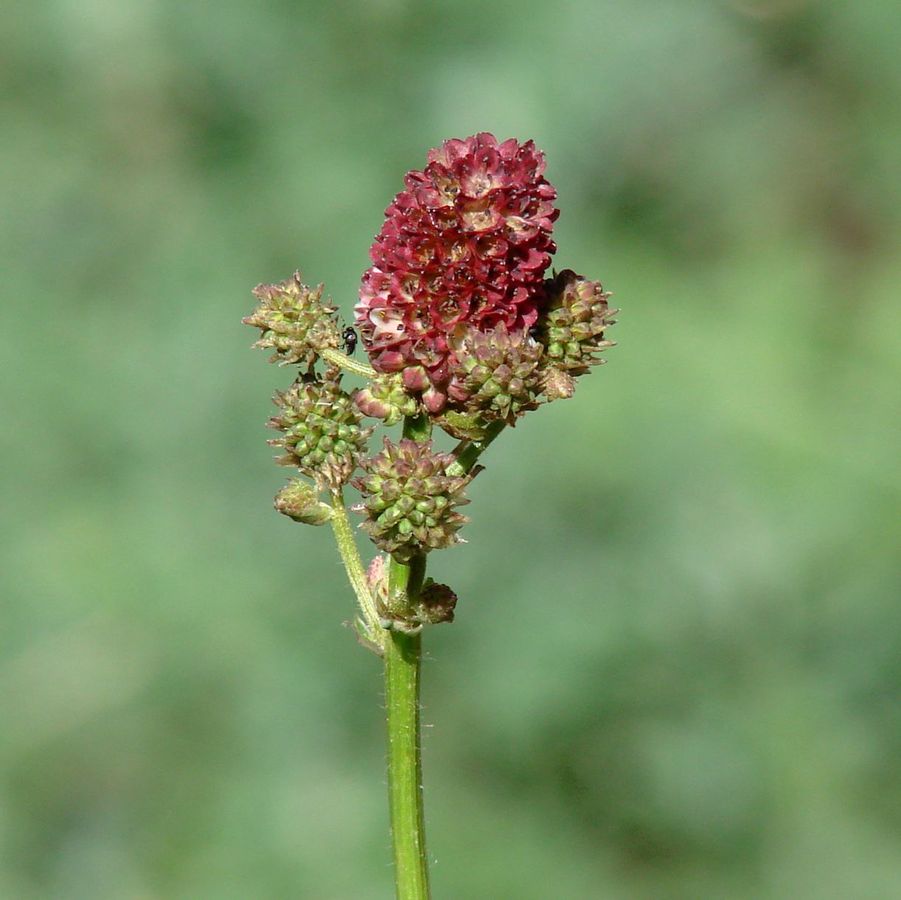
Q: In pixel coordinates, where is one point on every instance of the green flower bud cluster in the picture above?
(300, 501)
(573, 325)
(409, 499)
(321, 429)
(499, 374)
(294, 321)
(385, 398)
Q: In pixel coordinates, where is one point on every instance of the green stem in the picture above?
(466, 453)
(403, 654)
(337, 358)
(404, 584)
(350, 556)
(403, 657)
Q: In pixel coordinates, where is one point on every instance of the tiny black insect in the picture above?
(349, 336)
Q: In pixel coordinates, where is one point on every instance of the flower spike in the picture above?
(464, 246)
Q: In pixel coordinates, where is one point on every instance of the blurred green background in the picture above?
(675, 670)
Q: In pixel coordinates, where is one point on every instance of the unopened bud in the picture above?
(385, 398)
(300, 501)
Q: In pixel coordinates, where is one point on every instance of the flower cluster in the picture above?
(573, 325)
(464, 331)
(410, 500)
(498, 374)
(294, 321)
(463, 247)
(321, 431)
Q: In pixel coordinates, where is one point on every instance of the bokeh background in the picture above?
(676, 666)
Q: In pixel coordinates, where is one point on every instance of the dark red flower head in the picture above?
(464, 246)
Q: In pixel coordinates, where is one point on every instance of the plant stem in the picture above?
(337, 358)
(403, 654)
(350, 556)
(403, 658)
(467, 452)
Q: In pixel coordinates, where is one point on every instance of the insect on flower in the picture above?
(349, 336)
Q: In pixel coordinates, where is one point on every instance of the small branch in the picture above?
(337, 358)
(466, 453)
(356, 574)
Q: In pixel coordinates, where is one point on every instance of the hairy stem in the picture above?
(337, 358)
(350, 556)
(466, 453)
(403, 658)
(403, 655)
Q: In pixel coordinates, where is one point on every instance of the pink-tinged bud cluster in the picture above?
(464, 246)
